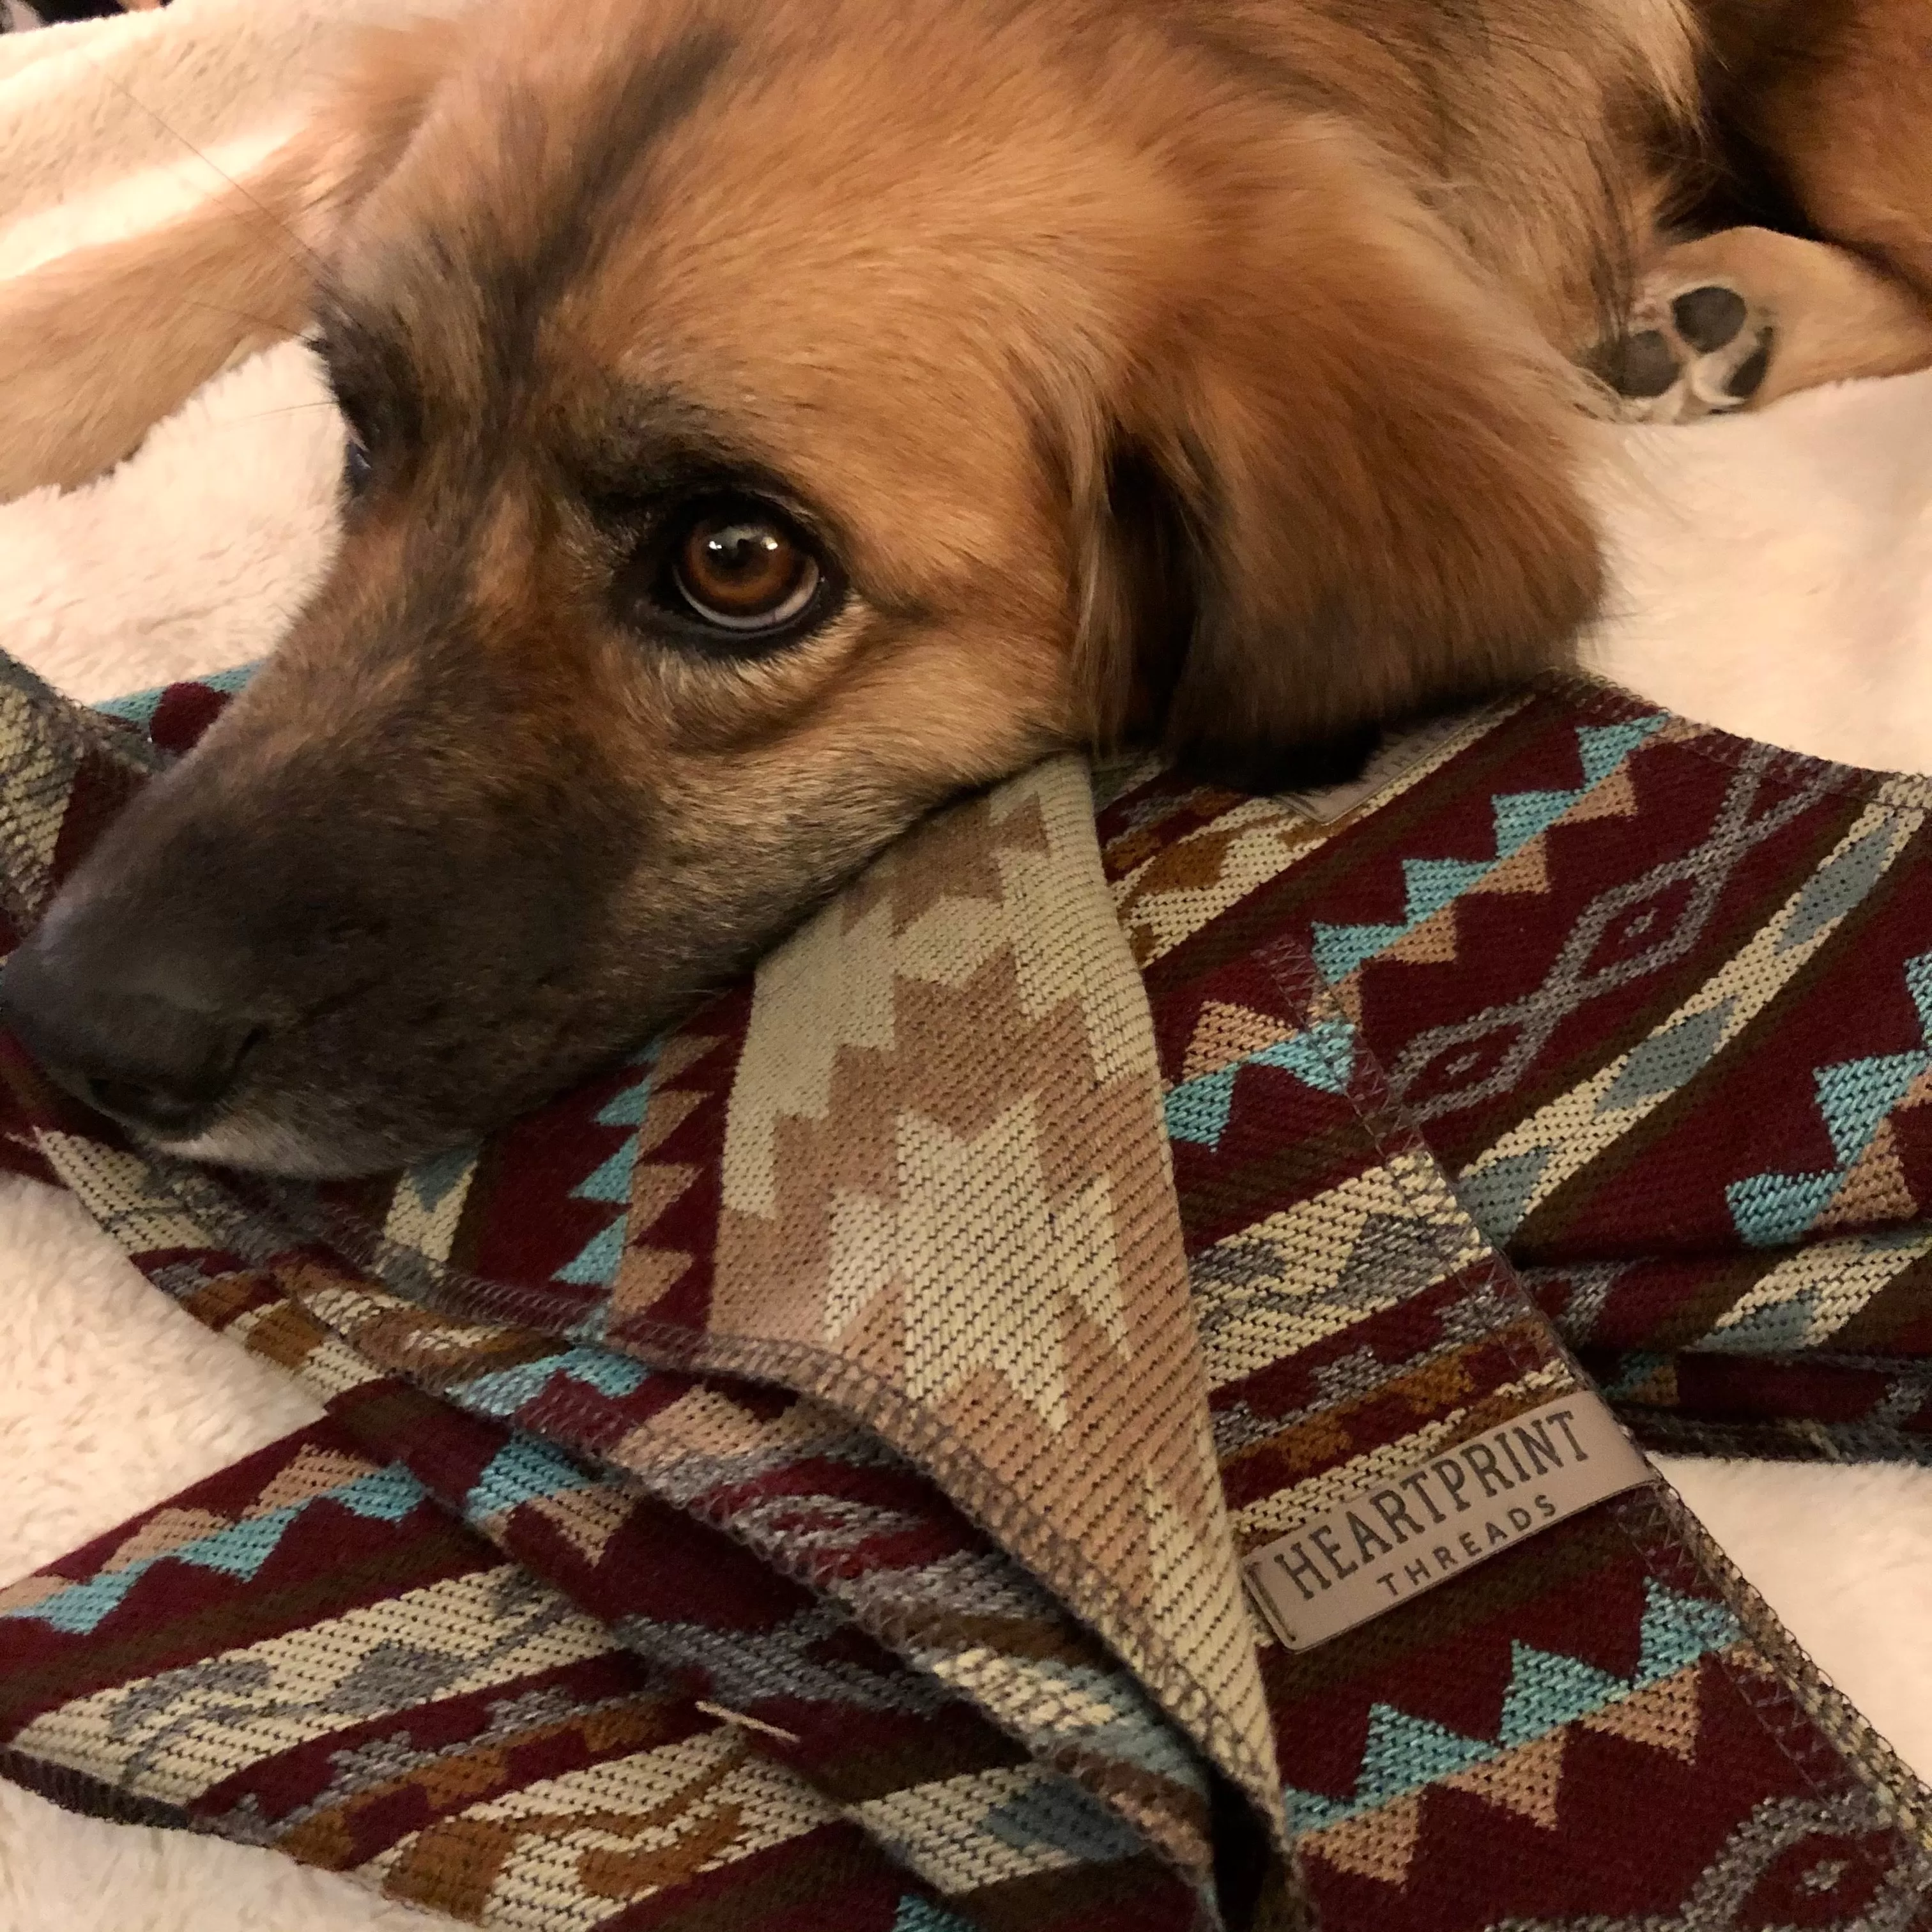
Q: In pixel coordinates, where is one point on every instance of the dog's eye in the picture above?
(355, 468)
(743, 566)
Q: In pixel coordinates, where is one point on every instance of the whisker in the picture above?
(174, 134)
(263, 415)
(281, 329)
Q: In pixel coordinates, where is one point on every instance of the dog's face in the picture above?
(764, 423)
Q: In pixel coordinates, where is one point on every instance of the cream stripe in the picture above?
(1576, 1127)
(1811, 1294)
(940, 1829)
(1245, 1325)
(1269, 1516)
(172, 1735)
(1259, 851)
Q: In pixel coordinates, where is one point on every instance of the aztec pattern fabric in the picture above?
(890, 1668)
(1497, 967)
(691, 1541)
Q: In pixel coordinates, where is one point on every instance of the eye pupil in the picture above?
(355, 467)
(742, 553)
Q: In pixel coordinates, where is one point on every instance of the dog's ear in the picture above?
(376, 103)
(1341, 492)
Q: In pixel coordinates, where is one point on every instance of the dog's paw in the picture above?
(1691, 350)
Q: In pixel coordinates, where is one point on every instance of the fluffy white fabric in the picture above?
(1776, 577)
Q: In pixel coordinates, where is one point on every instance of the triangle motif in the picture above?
(1665, 1716)
(1614, 798)
(1855, 1099)
(1224, 1033)
(1404, 1752)
(1519, 819)
(1197, 1110)
(1547, 1691)
(1678, 1630)
(1527, 870)
(166, 1530)
(1525, 1780)
(1433, 943)
(595, 1264)
(1874, 1190)
(1378, 1844)
(610, 1182)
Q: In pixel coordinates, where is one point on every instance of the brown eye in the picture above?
(743, 567)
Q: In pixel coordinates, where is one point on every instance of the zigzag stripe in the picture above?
(1430, 884)
(1506, 1182)
(1854, 1097)
(596, 1264)
(1546, 1692)
(239, 1550)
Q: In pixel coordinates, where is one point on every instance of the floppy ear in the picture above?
(100, 344)
(1342, 493)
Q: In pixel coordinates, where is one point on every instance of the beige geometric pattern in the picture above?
(946, 1201)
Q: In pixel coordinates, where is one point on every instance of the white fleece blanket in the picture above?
(1775, 577)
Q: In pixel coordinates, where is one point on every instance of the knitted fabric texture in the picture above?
(797, 1478)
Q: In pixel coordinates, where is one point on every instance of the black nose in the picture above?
(114, 1031)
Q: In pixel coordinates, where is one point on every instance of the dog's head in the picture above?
(767, 420)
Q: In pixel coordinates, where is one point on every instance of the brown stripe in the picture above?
(1386, 832)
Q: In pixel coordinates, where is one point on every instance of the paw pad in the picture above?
(1709, 317)
(1688, 352)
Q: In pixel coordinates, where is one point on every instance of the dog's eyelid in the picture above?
(640, 511)
(367, 376)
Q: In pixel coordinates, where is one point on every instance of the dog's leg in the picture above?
(1735, 320)
(1837, 98)
(99, 345)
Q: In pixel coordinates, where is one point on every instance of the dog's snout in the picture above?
(132, 1040)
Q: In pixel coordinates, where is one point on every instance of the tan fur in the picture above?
(104, 341)
(1200, 368)
(1835, 315)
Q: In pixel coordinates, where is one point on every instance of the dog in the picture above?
(768, 418)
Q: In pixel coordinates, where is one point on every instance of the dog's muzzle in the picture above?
(131, 1034)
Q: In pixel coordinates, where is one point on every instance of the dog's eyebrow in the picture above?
(469, 306)
(638, 439)
(516, 285)
(610, 144)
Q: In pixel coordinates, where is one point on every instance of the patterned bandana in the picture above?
(803, 1478)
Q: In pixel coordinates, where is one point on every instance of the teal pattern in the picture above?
(1854, 1097)
(1546, 1692)
(594, 1265)
(1430, 884)
(1324, 1056)
(239, 1550)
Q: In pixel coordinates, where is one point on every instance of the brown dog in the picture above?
(769, 417)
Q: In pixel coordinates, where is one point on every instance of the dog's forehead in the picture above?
(785, 237)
